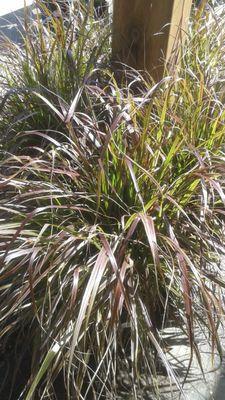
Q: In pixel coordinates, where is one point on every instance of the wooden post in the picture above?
(146, 33)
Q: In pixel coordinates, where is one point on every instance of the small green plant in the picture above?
(112, 209)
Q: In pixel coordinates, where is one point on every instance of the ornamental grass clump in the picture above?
(112, 211)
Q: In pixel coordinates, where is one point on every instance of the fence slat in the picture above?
(146, 32)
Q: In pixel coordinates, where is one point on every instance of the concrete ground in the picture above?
(198, 386)
(9, 6)
(11, 18)
(210, 386)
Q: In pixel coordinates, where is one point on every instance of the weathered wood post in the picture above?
(146, 33)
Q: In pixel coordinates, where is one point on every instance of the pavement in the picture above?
(206, 385)
(11, 18)
(9, 6)
(205, 381)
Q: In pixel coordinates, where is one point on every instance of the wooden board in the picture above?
(146, 33)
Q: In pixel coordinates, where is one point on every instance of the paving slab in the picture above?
(206, 385)
(11, 18)
(9, 6)
(205, 381)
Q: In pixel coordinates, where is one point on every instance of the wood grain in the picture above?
(146, 33)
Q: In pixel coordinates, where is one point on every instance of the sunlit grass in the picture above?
(112, 207)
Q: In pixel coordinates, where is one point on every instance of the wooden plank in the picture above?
(146, 33)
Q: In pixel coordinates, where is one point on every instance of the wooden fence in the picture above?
(147, 33)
